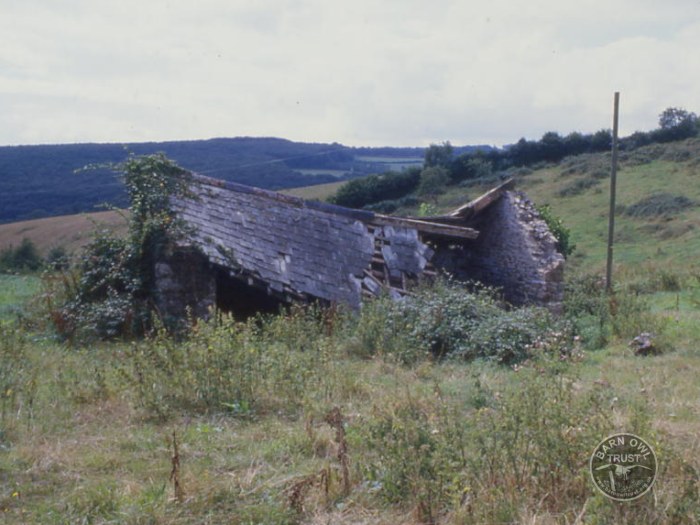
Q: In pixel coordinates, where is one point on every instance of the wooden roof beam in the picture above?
(475, 206)
(434, 228)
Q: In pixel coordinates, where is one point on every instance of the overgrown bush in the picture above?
(113, 293)
(595, 165)
(58, 259)
(586, 307)
(597, 316)
(556, 226)
(22, 259)
(451, 320)
(660, 205)
(578, 186)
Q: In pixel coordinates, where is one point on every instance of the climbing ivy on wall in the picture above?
(111, 291)
(561, 233)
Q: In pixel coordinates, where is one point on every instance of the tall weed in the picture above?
(229, 366)
(527, 448)
(18, 380)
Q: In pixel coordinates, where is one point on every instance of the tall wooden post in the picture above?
(613, 183)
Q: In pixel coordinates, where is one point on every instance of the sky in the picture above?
(358, 72)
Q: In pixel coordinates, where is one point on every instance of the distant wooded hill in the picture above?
(45, 181)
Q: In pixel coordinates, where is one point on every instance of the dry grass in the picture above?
(69, 231)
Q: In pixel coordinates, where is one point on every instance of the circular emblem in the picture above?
(623, 467)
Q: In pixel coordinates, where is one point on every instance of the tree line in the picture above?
(442, 167)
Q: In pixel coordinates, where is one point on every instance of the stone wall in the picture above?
(185, 285)
(515, 251)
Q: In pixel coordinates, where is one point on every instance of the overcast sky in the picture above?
(359, 72)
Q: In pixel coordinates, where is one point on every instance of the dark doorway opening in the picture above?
(237, 297)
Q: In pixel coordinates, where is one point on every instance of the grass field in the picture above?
(393, 163)
(434, 442)
(316, 192)
(15, 290)
(335, 173)
(69, 231)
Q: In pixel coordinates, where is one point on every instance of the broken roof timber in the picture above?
(469, 210)
(475, 206)
(425, 226)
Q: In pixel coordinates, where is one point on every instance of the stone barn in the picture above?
(252, 250)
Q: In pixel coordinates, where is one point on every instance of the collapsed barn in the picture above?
(253, 250)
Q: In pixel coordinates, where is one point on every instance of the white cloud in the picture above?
(359, 72)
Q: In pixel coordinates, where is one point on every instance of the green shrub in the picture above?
(433, 181)
(58, 258)
(419, 455)
(556, 226)
(22, 259)
(390, 206)
(375, 188)
(587, 309)
(660, 204)
(597, 316)
(578, 186)
(451, 320)
(113, 295)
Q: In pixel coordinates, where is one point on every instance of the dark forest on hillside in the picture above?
(49, 180)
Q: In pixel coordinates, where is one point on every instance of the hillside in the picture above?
(49, 180)
(576, 189)
(653, 220)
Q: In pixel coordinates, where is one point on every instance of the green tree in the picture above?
(674, 117)
(438, 156)
(433, 181)
(677, 124)
(552, 146)
(376, 188)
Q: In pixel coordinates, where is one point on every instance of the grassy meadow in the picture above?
(331, 418)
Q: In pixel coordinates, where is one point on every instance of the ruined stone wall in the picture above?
(185, 284)
(515, 251)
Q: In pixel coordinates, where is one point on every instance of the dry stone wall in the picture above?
(515, 251)
(185, 285)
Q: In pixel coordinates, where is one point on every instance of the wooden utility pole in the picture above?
(613, 183)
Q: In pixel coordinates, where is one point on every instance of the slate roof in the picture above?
(301, 249)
